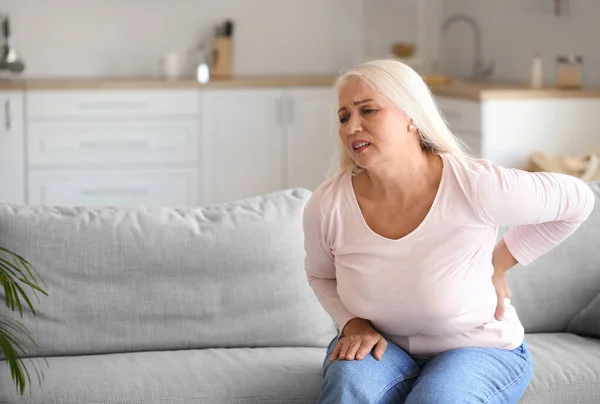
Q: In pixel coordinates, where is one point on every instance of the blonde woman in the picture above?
(401, 251)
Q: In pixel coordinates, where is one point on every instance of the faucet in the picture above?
(481, 70)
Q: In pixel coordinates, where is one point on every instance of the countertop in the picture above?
(157, 83)
(483, 91)
(479, 91)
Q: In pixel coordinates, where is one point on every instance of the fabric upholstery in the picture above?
(123, 280)
(566, 369)
(237, 375)
(553, 289)
(587, 322)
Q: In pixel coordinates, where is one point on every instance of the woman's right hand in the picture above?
(357, 339)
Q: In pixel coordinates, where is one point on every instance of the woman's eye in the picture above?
(368, 111)
(344, 119)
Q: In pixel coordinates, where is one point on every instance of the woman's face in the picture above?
(371, 128)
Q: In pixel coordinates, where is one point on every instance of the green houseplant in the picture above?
(15, 274)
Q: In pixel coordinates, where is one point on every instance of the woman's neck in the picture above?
(404, 180)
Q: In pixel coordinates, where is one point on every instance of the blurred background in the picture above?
(192, 102)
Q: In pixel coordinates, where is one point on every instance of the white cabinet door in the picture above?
(243, 143)
(461, 114)
(114, 141)
(89, 104)
(464, 118)
(311, 136)
(12, 164)
(113, 187)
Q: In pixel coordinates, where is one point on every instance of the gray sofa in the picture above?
(211, 305)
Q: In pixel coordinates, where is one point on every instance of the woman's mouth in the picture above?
(360, 145)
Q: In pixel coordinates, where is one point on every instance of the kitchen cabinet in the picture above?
(464, 118)
(113, 147)
(243, 138)
(258, 141)
(12, 167)
(507, 131)
(311, 136)
(194, 146)
(113, 187)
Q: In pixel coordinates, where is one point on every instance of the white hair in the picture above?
(407, 90)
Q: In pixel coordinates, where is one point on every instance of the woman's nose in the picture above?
(354, 125)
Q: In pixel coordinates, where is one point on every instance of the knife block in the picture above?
(222, 57)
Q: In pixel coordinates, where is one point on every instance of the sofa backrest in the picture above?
(119, 280)
(553, 289)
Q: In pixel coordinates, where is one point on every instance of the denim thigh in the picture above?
(388, 380)
(474, 376)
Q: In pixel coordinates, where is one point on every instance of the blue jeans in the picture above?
(463, 375)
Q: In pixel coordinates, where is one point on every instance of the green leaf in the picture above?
(4, 250)
(19, 372)
(10, 354)
(33, 286)
(8, 323)
(12, 274)
(18, 290)
(8, 293)
(17, 300)
(9, 267)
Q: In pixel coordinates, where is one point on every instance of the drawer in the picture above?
(461, 114)
(116, 103)
(124, 188)
(112, 142)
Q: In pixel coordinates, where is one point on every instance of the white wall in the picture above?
(514, 30)
(83, 38)
(390, 21)
(386, 22)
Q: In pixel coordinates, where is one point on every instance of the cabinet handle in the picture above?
(127, 145)
(113, 191)
(7, 115)
(113, 105)
(290, 111)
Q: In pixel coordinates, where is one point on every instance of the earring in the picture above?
(411, 126)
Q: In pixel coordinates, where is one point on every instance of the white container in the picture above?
(170, 66)
(536, 79)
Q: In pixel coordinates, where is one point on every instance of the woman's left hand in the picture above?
(502, 261)
(502, 292)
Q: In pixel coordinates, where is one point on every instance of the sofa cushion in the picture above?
(238, 375)
(566, 369)
(587, 323)
(122, 280)
(553, 289)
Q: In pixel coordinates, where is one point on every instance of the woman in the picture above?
(401, 251)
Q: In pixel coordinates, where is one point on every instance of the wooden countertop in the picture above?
(496, 91)
(459, 89)
(157, 83)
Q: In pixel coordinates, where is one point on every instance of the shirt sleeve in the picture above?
(320, 267)
(543, 209)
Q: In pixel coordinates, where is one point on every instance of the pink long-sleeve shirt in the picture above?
(431, 291)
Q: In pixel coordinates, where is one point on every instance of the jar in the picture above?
(568, 71)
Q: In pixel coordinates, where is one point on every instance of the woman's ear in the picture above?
(411, 126)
